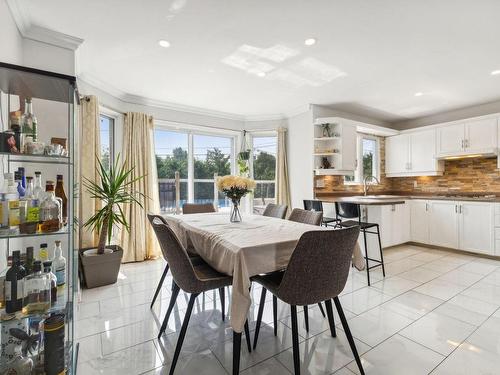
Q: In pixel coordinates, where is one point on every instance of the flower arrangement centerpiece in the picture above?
(235, 187)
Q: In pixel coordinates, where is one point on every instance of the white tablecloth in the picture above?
(257, 245)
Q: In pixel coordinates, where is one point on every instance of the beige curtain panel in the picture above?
(138, 152)
(90, 146)
(282, 183)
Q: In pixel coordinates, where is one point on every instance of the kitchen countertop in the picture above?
(389, 199)
(367, 201)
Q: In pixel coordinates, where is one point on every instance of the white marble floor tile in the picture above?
(467, 309)
(493, 278)
(376, 325)
(461, 277)
(488, 335)
(89, 348)
(420, 274)
(201, 363)
(394, 286)
(268, 367)
(87, 310)
(485, 292)
(427, 256)
(441, 265)
(440, 289)
(363, 300)
(400, 266)
(412, 304)
(440, 333)
(398, 356)
(322, 354)
(479, 268)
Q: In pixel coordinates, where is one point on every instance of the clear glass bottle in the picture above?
(29, 124)
(60, 193)
(14, 285)
(38, 190)
(50, 210)
(43, 253)
(59, 264)
(47, 269)
(30, 258)
(32, 209)
(37, 291)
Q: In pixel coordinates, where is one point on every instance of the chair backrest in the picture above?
(197, 208)
(306, 217)
(275, 210)
(319, 266)
(347, 210)
(313, 205)
(175, 254)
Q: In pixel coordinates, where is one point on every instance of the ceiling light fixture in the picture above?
(164, 43)
(419, 93)
(261, 74)
(310, 41)
(495, 72)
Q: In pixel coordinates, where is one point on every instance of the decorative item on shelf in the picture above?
(335, 134)
(23, 363)
(29, 123)
(33, 148)
(63, 142)
(326, 130)
(54, 363)
(234, 188)
(11, 346)
(9, 142)
(54, 149)
(244, 157)
(325, 163)
(100, 266)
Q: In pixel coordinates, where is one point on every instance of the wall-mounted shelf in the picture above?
(326, 153)
(327, 138)
(332, 172)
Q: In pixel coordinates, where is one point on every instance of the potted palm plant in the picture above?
(100, 265)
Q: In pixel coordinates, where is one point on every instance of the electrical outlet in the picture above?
(415, 184)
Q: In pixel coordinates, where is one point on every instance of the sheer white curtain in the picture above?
(282, 183)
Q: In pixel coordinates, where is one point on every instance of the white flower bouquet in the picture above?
(235, 187)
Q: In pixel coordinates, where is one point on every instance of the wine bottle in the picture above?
(14, 285)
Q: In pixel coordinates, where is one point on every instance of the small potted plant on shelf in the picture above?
(100, 266)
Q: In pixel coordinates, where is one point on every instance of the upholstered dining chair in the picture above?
(305, 217)
(197, 208)
(275, 210)
(193, 279)
(317, 272)
(317, 205)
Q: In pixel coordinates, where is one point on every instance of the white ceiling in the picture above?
(371, 56)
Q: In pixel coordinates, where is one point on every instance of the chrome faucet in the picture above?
(365, 182)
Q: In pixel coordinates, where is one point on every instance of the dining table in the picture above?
(256, 245)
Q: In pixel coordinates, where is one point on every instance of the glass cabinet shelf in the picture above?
(43, 159)
(38, 234)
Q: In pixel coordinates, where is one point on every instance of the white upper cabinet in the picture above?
(412, 154)
(467, 138)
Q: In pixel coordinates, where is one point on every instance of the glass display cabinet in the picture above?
(38, 267)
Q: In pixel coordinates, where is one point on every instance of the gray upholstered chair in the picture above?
(275, 210)
(317, 205)
(317, 271)
(197, 208)
(306, 217)
(193, 279)
(192, 256)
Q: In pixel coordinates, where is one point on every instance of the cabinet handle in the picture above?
(462, 144)
(393, 207)
(460, 209)
(426, 207)
(467, 143)
(456, 209)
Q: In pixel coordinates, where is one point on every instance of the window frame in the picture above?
(112, 126)
(358, 178)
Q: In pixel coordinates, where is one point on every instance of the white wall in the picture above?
(45, 56)
(11, 45)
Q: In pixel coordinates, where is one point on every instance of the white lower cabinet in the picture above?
(443, 224)
(394, 222)
(476, 227)
(419, 219)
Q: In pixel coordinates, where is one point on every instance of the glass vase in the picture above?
(235, 212)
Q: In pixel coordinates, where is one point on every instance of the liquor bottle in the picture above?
(2, 282)
(37, 293)
(14, 285)
(43, 254)
(29, 124)
(47, 269)
(22, 172)
(11, 208)
(30, 258)
(59, 264)
(38, 190)
(60, 193)
(50, 210)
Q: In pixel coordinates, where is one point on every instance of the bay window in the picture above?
(263, 167)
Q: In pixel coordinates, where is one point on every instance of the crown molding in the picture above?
(38, 33)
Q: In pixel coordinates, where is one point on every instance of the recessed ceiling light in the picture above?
(419, 93)
(261, 74)
(164, 43)
(310, 41)
(495, 72)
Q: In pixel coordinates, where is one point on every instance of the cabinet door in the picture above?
(423, 151)
(444, 224)
(400, 223)
(450, 139)
(397, 153)
(481, 135)
(349, 148)
(419, 221)
(476, 227)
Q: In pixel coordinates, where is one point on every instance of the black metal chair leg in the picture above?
(322, 310)
(259, 317)
(366, 258)
(331, 319)
(247, 337)
(275, 315)
(380, 247)
(236, 352)
(295, 341)
(182, 333)
(306, 318)
(347, 331)
(160, 284)
(173, 298)
(222, 295)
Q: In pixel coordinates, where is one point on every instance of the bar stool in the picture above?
(316, 205)
(352, 211)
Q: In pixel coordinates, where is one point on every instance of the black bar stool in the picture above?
(353, 211)
(316, 205)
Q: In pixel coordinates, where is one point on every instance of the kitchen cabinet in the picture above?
(443, 224)
(394, 222)
(419, 220)
(476, 226)
(412, 154)
(467, 138)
